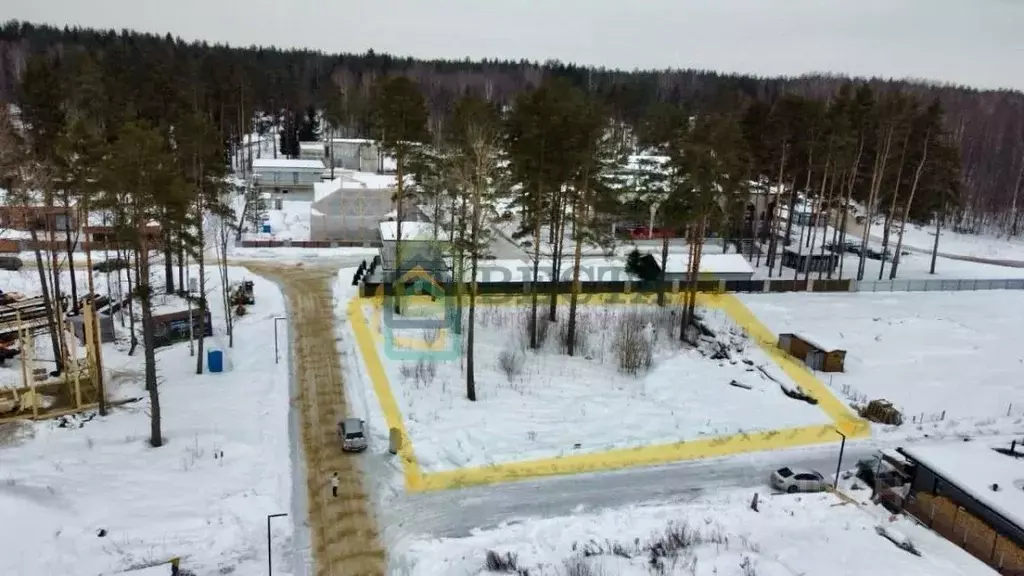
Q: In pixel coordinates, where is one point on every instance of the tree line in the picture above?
(558, 166)
(146, 75)
(555, 153)
(157, 171)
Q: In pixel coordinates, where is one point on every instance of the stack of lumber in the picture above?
(33, 315)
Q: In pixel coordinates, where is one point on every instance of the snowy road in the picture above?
(455, 513)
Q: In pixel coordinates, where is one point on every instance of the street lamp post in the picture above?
(277, 356)
(839, 464)
(270, 551)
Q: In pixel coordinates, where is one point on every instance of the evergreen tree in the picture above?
(400, 117)
(142, 184)
(309, 131)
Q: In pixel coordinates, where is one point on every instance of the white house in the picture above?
(286, 179)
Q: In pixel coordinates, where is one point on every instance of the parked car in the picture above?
(352, 432)
(796, 480)
(11, 263)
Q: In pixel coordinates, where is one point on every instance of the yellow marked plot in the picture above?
(845, 421)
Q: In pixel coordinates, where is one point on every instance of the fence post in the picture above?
(767, 285)
(810, 284)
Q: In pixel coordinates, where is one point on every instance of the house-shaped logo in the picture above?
(421, 321)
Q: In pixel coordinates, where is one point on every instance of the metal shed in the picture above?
(812, 262)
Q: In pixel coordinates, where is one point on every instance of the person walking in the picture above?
(334, 484)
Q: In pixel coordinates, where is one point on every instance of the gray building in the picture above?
(351, 213)
(279, 179)
(312, 151)
(354, 154)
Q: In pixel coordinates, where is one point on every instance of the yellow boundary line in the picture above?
(416, 480)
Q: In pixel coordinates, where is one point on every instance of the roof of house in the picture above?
(974, 467)
(709, 264)
(416, 231)
(286, 164)
(822, 344)
(592, 268)
(501, 270)
(352, 141)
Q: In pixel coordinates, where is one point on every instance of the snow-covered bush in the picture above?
(511, 362)
(634, 343)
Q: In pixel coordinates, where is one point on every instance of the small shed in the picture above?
(812, 262)
(815, 355)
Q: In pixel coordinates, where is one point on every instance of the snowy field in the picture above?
(712, 535)
(927, 352)
(203, 496)
(950, 242)
(537, 405)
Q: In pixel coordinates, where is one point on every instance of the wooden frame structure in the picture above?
(78, 388)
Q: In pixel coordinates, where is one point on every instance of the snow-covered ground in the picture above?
(203, 496)
(552, 404)
(913, 265)
(927, 352)
(711, 535)
(950, 242)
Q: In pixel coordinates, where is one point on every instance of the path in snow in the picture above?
(343, 531)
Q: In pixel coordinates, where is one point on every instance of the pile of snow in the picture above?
(721, 535)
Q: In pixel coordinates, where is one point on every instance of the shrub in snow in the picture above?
(527, 325)
(505, 563)
(747, 565)
(422, 372)
(579, 565)
(634, 343)
(425, 371)
(584, 326)
(511, 363)
(675, 542)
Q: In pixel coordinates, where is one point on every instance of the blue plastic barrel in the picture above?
(215, 360)
(266, 228)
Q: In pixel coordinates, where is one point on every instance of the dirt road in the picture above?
(343, 531)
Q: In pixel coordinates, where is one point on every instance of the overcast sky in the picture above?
(975, 42)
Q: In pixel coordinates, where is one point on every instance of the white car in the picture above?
(795, 480)
(352, 434)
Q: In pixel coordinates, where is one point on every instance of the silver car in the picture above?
(795, 480)
(352, 432)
